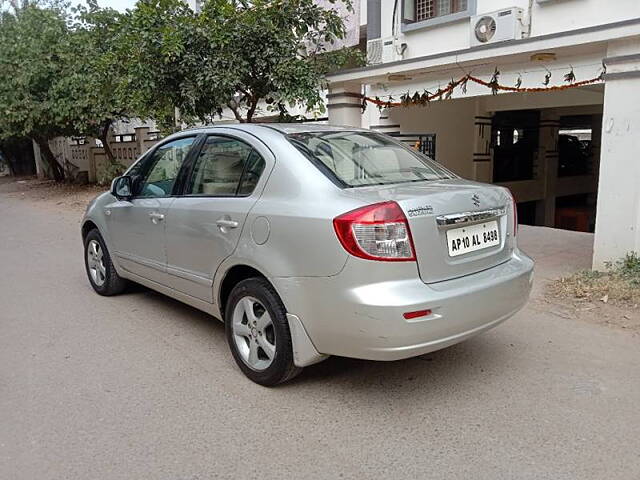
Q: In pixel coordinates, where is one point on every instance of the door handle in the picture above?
(226, 223)
(156, 217)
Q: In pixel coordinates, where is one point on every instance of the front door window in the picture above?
(165, 165)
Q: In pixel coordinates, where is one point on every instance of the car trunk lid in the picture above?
(458, 227)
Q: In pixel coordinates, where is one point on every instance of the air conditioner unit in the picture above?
(384, 50)
(499, 26)
(374, 51)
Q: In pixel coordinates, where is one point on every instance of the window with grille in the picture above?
(426, 9)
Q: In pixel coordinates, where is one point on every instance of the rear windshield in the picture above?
(366, 158)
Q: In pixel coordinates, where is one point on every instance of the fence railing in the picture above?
(423, 142)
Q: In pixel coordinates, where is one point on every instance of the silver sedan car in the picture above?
(310, 241)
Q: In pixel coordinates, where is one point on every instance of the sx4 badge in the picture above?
(419, 211)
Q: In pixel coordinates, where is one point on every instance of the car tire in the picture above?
(102, 274)
(261, 345)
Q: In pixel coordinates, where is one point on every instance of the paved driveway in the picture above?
(142, 387)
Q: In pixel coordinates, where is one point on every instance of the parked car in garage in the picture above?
(310, 241)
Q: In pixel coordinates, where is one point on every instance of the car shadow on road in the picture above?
(443, 368)
(178, 313)
(464, 362)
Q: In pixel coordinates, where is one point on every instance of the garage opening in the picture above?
(549, 159)
(575, 152)
(515, 145)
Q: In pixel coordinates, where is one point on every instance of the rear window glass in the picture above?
(366, 158)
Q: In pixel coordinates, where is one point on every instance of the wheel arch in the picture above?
(232, 277)
(304, 351)
(87, 226)
(96, 223)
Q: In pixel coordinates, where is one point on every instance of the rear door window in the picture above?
(225, 167)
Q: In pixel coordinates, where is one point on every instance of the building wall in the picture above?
(618, 219)
(561, 40)
(452, 122)
(547, 18)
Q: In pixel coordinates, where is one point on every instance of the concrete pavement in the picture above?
(140, 386)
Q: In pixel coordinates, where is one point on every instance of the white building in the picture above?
(562, 152)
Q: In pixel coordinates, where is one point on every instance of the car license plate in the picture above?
(473, 237)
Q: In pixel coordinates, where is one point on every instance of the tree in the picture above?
(63, 76)
(234, 54)
(59, 75)
(35, 60)
(99, 101)
(150, 46)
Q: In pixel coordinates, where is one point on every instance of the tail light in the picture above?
(376, 232)
(515, 213)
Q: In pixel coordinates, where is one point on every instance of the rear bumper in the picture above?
(347, 318)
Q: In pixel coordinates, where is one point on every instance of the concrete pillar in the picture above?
(345, 105)
(383, 123)
(618, 214)
(141, 135)
(546, 166)
(482, 155)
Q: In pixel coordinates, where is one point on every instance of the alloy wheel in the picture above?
(253, 333)
(95, 262)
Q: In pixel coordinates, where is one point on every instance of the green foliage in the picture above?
(619, 283)
(148, 58)
(35, 61)
(231, 55)
(34, 65)
(96, 86)
(74, 72)
(627, 268)
(96, 68)
(108, 171)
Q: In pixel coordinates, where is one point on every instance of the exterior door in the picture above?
(204, 224)
(137, 227)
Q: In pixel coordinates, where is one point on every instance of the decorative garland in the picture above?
(425, 97)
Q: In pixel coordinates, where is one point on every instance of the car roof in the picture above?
(284, 128)
(288, 128)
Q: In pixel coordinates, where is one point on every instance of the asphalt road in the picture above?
(142, 387)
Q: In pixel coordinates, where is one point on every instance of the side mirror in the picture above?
(122, 187)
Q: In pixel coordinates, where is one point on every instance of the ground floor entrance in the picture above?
(548, 157)
(516, 141)
(565, 145)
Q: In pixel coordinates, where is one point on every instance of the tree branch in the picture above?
(103, 135)
(244, 91)
(235, 112)
(252, 109)
(49, 158)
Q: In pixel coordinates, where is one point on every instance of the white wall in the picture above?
(452, 121)
(618, 216)
(531, 73)
(562, 15)
(352, 20)
(551, 17)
